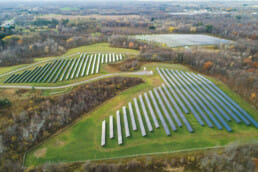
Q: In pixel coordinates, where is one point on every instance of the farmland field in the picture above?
(82, 140)
(177, 40)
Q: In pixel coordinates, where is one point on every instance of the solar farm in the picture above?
(66, 69)
(173, 110)
(184, 94)
(177, 40)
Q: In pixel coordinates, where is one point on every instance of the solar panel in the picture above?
(151, 110)
(193, 80)
(114, 58)
(223, 99)
(161, 103)
(98, 63)
(201, 92)
(111, 127)
(232, 102)
(190, 129)
(132, 116)
(103, 136)
(182, 92)
(127, 132)
(119, 131)
(173, 93)
(110, 58)
(85, 65)
(170, 107)
(147, 119)
(143, 132)
(157, 109)
(89, 65)
(102, 58)
(178, 82)
(93, 65)
(80, 66)
(206, 103)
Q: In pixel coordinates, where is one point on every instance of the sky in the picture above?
(126, 0)
(133, 0)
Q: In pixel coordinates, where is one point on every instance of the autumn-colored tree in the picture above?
(131, 45)
(171, 29)
(19, 41)
(247, 61)
(254, 64)
(253, 37)
(69, 40)
(46, 49)
(163, 45)
(207, 65)
(253, 96)
(193, 29)
(251, 70)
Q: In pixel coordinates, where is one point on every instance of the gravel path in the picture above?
(78, 83)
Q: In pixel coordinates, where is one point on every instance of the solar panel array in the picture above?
(217, 106)
(65, 69)
(182, 95)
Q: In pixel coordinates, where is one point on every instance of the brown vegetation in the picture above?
(130, 65)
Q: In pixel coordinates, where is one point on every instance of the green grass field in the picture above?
(81, 140)
(69, 9)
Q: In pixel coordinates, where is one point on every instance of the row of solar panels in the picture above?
(209, 99)
(184, 93)
(65, 69)
(143, 111)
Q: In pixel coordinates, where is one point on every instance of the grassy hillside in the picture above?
(81, 141)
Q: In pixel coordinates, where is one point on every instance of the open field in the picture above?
(81, 141)
(177, 40)
(69, 9)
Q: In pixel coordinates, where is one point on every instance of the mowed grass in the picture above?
(11, 68)
(99, 47)
(81, 141)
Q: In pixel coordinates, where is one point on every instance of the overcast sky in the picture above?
(128, 0)
(63, 1)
